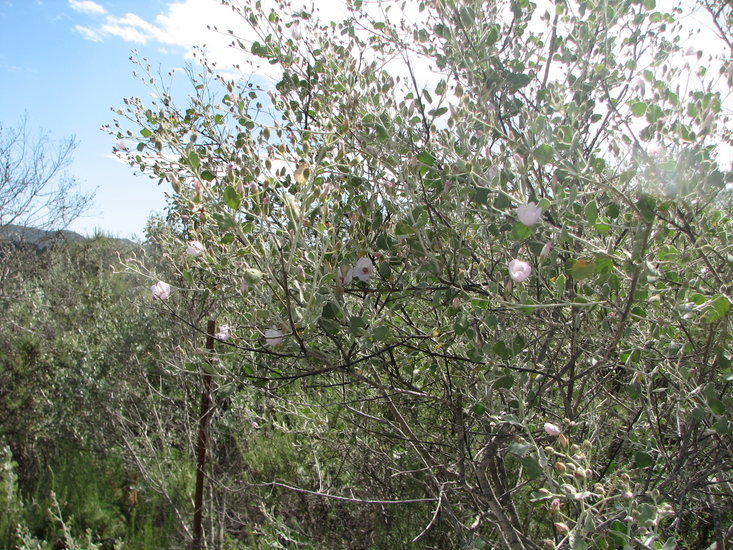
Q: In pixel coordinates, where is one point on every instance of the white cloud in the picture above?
(88, 33)
(130, 28)
(87, 6)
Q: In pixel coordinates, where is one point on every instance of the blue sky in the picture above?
(65, 63)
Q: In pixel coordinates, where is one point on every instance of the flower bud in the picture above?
(552, 429)
(561, 527)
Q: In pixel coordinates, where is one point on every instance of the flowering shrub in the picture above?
(565, 409)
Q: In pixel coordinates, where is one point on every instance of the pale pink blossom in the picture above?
(519, 271)
(121, 145)
(273, 337)
(552, 429)
(555, 504)
(344, 276)
(363, 268)
(295, 31)
(300, 271)
(161, 290)
(224, 333)
(708, 122)
(529, 214)
(545, 252)
(195, 249)
(640, 85)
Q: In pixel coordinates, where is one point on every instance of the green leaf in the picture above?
(717, 308)
(518, 344)
(502, 201)
(638, 109)
(357, 325)
(642, 459)
(145, 132)
(717, 406)
(532, 466)
(193, 161)
(520, 232)
(404, 228)
(647, 206)
(480, 195)
(604, 264)
(382, 134)
(506, 382)
(518, 80)
(252, 276)
(722, 426)
(478, 409)
(725, 359)
(330, 310)
(381, 333)
(544, 153)
(426, 158)
(502, 350)
(519, 449)
(583, 269)
(232, 198)
(591, 212)
(385, 270)
(467, 15)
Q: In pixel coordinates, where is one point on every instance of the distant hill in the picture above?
(40, 239)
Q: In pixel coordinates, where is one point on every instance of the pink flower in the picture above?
(552, 429)
(273, 337)
(121, 145)
(344, 278)
(195, 249)
(224, 333)
(529, 214)
(519, 271)
(161, 290)
(555, 504)
(295, 31)
(639, 84)
(363, 268)
(546, 249)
